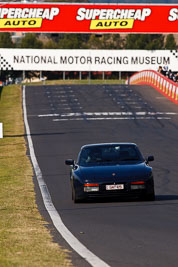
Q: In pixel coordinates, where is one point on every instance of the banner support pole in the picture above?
(23, 75)
(1, 130)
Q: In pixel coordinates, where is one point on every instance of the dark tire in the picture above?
(72, 195)
(150, 197)
(75, 197)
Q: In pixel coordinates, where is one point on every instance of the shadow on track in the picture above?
(37, 134)
(132, 200)
(166, 197)
(123, 203)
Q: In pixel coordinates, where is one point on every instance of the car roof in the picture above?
(107, 144)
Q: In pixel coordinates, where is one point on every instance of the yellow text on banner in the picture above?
(111, 24)
(20, 23)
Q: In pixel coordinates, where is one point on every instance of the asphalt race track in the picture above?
(121, 233)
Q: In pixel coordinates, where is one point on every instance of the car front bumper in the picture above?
(127, 192)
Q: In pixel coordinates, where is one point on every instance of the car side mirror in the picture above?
(70, 162)
(150, 158)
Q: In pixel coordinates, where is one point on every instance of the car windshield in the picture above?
(109, 154)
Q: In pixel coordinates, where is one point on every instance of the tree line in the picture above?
(90, 41)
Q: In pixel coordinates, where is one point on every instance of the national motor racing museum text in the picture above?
(68, 60)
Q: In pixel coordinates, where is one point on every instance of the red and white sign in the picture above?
(164, 85)
(89, 18)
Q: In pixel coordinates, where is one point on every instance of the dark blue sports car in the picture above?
(111, 170)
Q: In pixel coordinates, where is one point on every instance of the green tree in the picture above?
(117, 41)
(105, 41)
(50, 45)
(5, 40)
(30, 41)
(70, 41)
(144, 41)
(94, 42)
(170, 42)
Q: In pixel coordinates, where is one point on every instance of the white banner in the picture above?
(86, 60)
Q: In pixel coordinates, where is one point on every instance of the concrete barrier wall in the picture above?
(164, 85)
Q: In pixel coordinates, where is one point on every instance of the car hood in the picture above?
(114, 172)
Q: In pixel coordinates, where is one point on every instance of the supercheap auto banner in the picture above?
(86, 59)
(87, 18)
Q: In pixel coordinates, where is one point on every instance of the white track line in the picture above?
(79, 114)
(113, 118)
(91, 258)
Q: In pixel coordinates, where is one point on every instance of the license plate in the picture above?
(115, 187)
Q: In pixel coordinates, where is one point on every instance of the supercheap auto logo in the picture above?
(25, 17)
(102, 19)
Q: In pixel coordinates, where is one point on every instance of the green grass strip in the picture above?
(63, 82)
(24, 238)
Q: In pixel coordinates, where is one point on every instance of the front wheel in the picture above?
(75, 196)
(150, 197)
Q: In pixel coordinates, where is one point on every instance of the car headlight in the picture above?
(91, 187)
(137, 185)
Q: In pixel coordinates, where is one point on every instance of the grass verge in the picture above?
(55, 82)
(24, 239)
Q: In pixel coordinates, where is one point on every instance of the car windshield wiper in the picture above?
(109, 161)
(102, 160)
(129, 159)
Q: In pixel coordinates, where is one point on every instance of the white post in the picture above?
(103, 76)
(89, 77)
(23, 75)
(1, 130)
(64, 75)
